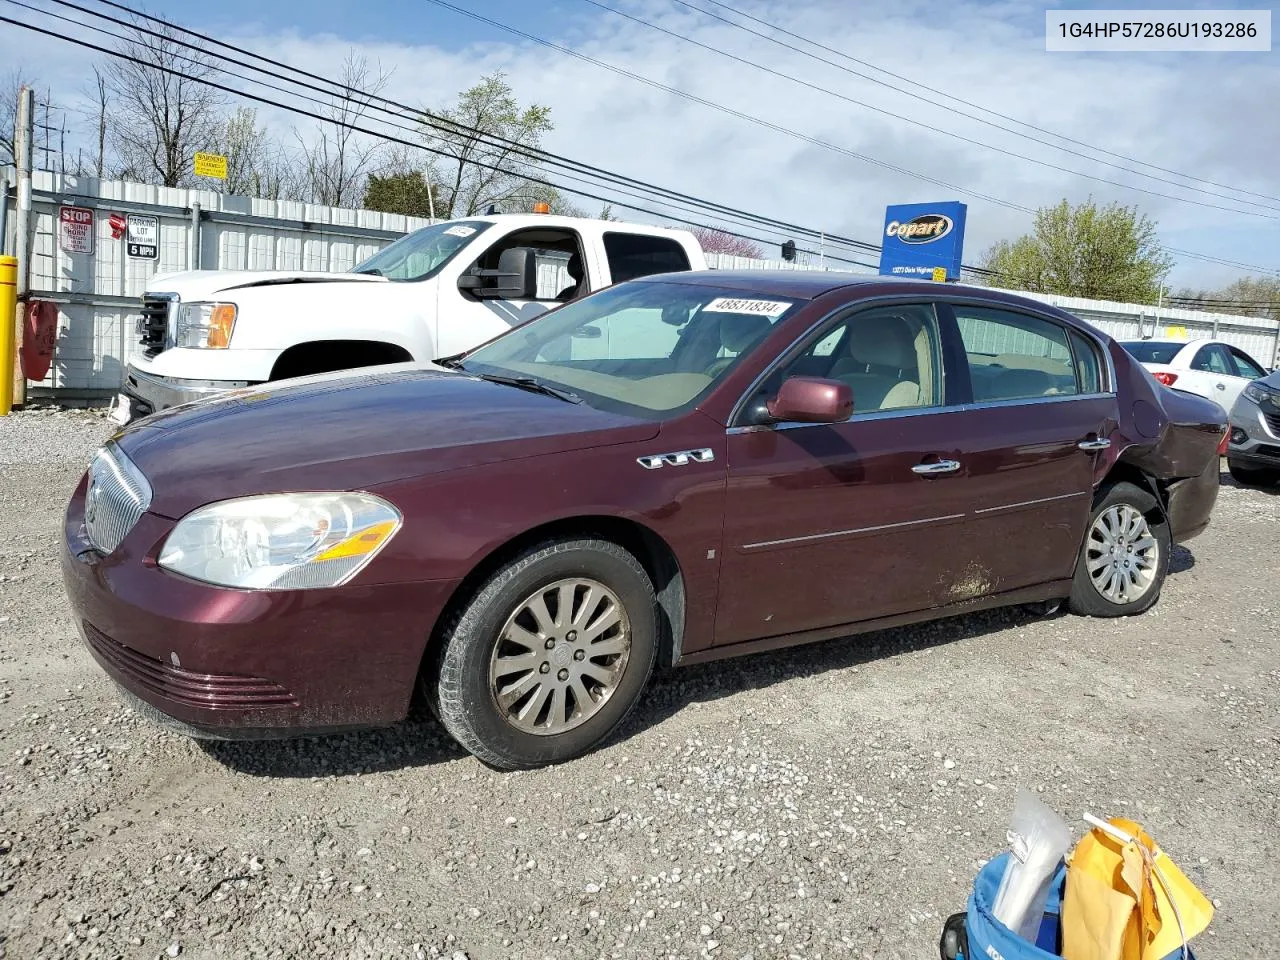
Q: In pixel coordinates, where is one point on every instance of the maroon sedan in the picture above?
(673, 470)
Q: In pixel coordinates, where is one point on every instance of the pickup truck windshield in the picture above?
(648, 349)
(423, 252)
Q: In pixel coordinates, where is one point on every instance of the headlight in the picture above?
(1260, 394)
(205, 325)
(287, 541)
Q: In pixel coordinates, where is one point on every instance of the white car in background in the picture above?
(1209, 368)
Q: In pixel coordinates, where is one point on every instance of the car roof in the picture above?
(1170, 341)
(798, 284)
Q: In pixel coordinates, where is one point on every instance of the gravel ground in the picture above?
(833, 801)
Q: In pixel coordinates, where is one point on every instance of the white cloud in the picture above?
(1205, 113)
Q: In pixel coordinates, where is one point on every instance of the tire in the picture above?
(1136, 585)
(1252, 476)
(502, 629)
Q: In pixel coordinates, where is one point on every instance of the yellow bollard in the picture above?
(8, 329)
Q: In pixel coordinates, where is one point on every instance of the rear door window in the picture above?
(1013, 356)
(1088, 370)
(633, 255)
(1214, 358)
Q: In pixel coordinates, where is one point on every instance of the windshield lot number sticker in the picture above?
(761, 308)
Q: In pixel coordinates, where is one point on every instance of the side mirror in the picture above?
(515, 279)
(811, 400)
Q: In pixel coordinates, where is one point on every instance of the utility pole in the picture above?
(22, 146)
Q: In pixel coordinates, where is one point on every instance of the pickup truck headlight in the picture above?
(207, 325)
(1260, 394)
(288, 541)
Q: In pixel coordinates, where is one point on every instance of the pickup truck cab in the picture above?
(433, 293)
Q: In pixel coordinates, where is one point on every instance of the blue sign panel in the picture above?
(921, 239)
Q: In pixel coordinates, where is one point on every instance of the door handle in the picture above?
(936, 468)
(1222, 386)
(1101, 443)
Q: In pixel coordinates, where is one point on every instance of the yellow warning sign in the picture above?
(939, 274)
(1175, 332)
(211, 165)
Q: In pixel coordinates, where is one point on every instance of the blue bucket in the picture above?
(989, 939)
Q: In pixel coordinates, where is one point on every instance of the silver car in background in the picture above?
(1253, 451)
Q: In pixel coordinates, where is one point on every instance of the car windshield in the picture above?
(648, 349)
(1152, 351)
(423, 252)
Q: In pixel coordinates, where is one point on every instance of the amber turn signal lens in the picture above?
(221, 323)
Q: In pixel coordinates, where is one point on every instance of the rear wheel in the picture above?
(549, 656)
(1252, 476)
(1125, 555)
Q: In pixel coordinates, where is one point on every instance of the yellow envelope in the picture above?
(1125, 899)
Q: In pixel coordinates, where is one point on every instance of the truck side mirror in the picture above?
(515, 279)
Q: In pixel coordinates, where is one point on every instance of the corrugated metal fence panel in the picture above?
(97, 339)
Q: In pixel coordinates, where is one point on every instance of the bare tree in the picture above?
(478, 172)
(163, 113)
(717, 241)
(337, 159)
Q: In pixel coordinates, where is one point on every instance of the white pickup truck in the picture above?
(433, 293)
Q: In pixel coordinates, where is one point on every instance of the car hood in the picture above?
(197, 285)
(354, 430)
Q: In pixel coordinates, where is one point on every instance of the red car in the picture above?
(672, 470)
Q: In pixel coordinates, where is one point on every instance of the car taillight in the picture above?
(1165, 377)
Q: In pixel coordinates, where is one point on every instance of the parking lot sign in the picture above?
(142, 237)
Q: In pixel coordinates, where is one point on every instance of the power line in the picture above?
(434, 121)
(722, 108)
(768, 124)
(934, 90)
(316, 116)
(948, 133)
(535, 155)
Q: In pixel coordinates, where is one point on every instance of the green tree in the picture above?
(404, 192)
(1104, 253)
(479, 173)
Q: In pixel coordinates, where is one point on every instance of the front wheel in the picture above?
(1125, 555)
(549, 656)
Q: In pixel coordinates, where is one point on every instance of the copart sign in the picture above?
(923, 240)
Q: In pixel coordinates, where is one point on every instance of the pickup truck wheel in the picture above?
(1125, 555)
(1252, 476)
(549, 656)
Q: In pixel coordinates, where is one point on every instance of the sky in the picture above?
(1208, 115)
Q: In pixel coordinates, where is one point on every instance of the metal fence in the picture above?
(98, 294)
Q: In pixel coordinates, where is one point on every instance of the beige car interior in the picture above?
(888, 361)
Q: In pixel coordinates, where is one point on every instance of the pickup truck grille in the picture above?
(153, 327)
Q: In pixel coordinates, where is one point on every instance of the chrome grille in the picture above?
(153, 325)
(1273, 421)
(116, 498)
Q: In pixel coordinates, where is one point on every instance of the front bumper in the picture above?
(151, 393)
(1255, 434)
(235, 664)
